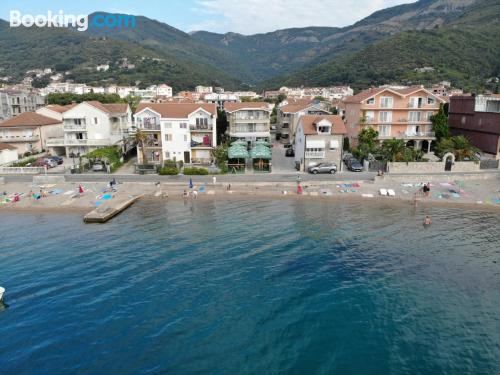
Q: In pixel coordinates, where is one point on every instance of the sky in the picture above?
(241, 16)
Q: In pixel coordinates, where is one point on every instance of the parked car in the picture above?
(289, 152)
(97, 167)
(45, 162)
(354, 165)
(59, 160)
(323, 168)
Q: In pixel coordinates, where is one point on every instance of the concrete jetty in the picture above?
(109, 210)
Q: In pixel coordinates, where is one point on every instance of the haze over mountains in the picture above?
(459, 38)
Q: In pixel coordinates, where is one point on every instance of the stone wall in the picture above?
(431, 167)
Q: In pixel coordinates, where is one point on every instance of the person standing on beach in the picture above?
(214, 180)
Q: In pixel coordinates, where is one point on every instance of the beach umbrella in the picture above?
(190, 183)
(260, 152)
(237, 152)
(239, 142)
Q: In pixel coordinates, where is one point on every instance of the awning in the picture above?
(315, 144)
(260, 152)
(237, 152)
(334, 144)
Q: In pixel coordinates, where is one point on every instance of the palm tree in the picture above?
(140, 139)
(393, 148)
(458, 146)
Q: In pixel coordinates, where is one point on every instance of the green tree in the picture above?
(458, 146)
(220, 156)
(133, 101)
(440, 124)
(394, 149)
(367, 142)
(140, 138)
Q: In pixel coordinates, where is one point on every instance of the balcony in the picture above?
(315, 154)
(205, 144)
(77, 142)
(201, 128)
(409, 135)
(155, 127)
(76, 128)
(20, 138)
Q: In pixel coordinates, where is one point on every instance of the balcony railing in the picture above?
(21, 138)
(408, 135)
(315, 154)
(77, 142)
(82, 127)
(150, 126)
(201, 127)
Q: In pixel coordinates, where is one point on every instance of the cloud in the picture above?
(260, 16)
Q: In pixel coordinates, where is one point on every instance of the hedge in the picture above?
(195, 171)
(168, 171)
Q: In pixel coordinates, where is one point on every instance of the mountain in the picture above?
(285, 51)
(465, 50)
(66, 50)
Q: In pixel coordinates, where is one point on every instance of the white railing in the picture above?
(75, 127)
(417, 134)
(77, 142)
(22, 170)
(150, 126)
(21, 138)
(201, 127)
(315, 154)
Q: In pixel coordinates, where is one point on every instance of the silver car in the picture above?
(323, 168)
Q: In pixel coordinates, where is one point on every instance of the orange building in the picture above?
(394, 113)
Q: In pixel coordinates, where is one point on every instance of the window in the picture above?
(185, 137)
(286, 125)
(168, 125)
(202, 121)
(384, 130)
(431, 100)
(183, 125)
(95, 121)
(167, 155)
(324, 129)
(334, 144)
(386, 102)
(77, 121)
(168, 137)
(429, 115)
(385, 116)
(415, 116)
(370, 101)
(369, 115)
(463, 121)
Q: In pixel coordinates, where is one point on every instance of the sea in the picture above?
(252, 286)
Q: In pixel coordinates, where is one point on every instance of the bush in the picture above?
(170, 164)
(195, 171)
(168, 171)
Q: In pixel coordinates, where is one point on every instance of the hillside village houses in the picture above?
(329, 93)
(249, 121)
(177, 131)
(401, 113)
(203, 89)
(319, 139)
(91, 125)
(288, 117)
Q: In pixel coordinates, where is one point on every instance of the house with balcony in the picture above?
(401, 113)
(30, 132)
(249, 121)
(478, 119)
(15, 102)
(318, 139)
(288, 117)
(91, 125)
(177, 131)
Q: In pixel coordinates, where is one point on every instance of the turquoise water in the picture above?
(252, 287)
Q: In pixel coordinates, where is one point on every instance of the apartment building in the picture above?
(288, 117)
(401, 113)
(91, 125)
(15, 102)
(177, 131)
(249, 121)
(478, 119)
(30, 132)
(319, 139)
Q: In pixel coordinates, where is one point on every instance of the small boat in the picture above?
(2, 291)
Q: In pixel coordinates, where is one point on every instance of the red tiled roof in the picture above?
(308, 123)
(29, 119)
(232, 107)
(5, 146)
(177, 110)
(366, 94)
(60, 108)
(295, 107)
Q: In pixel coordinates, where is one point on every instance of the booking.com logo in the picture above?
(80, 22)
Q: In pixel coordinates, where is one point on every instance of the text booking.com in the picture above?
(81, 22)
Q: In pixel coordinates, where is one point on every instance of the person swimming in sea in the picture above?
(427, 220)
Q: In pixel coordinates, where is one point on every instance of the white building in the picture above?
(249, 121)
(164, 90)
(8, 153)
(177, 131)
(91, 125)
(220, 99)
(203, 89)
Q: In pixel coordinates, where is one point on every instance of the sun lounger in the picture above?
(391, 193)
(367, 195)
(383, 191)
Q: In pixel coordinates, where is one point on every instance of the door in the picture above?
(187, 158)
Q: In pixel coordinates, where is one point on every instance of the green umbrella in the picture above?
(237, 152)
(260, 152)
(239, 142)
